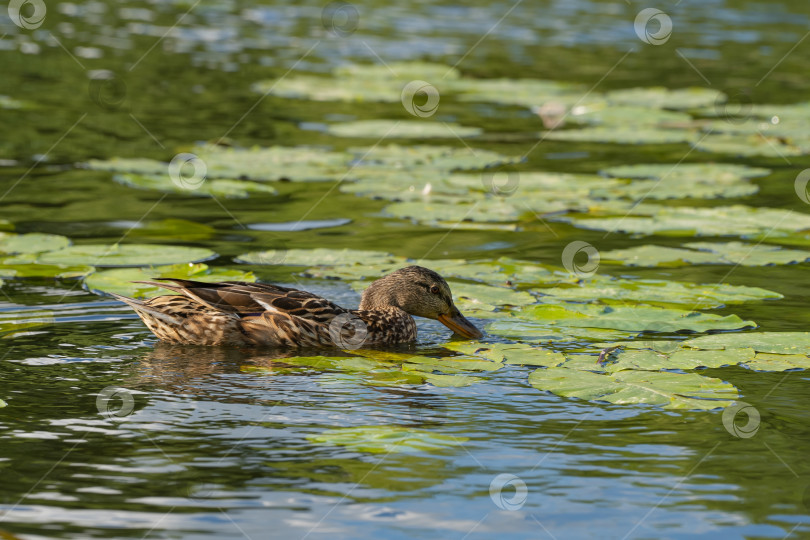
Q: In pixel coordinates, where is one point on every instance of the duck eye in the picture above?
(434, 289)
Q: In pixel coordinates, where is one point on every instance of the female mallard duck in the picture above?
(238, 313)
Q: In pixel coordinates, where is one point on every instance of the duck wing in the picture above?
(254, 298)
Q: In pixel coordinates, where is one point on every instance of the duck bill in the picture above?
(461, 326)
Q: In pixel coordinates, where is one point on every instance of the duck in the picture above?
(239, 313)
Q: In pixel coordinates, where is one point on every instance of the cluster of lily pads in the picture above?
(562, 324)
(701, 117)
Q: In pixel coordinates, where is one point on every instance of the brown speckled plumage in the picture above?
(239, 313)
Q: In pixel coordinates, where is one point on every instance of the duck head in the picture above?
(421, 292)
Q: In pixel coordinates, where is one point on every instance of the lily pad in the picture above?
(509, 353)
(424, 157)
(402, 129)
(669, 390)
(622, 135)
(238, 189)
(684, 359)
(125, 255)
(736, 220)
(119, 280)
(386, 439)
(31, 242)
(665, 98)
(639, 318)
(615, 290)
(736, 253)
(762, 342)
(318, 257)
(23, 267)
(748, 145)
(688, 172)
(3, 403)
(778, 362)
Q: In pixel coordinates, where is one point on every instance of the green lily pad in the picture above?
(665, 98)
(624, 115)
(239, 189)
(669, 390)
(736, 220)
(31, 242)
(125, 255)
(300, 164)
(3, 403)
(424, 157)
(119, 280)
(736, 253)
(318, 256)
(638, 318)
(21, 267)
(402, 129)
(748, 146)
(622, 135)
(436, 210)
(509, 353)
(763, 342)
(535, 332)
(522, 92)
(688, 172)
(386, 439)
(685, 359)
(471, 294)
(615, 290)
(778, 362)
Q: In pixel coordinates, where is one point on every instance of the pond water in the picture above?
(222, 443)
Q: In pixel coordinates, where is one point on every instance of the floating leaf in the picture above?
(386, 439)
(622, 135)
(318, 256)
(424, 157)
(624, 115)
(778, 362)
(762, 342)
(470, 294)
(615, 290)
(688, 172)
(203, 187)
(509, 353)
(737, 220)
(125, 255)
(669, 390)
(685, 359)
(31, 242)
(665, 98)
(736, 253)
(748, 145)
(401, 129)
(21, 267)
(631, 318)
(3, 403)
(543, 332)
(119, 280)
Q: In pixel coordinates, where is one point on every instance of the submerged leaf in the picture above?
(386, 439)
